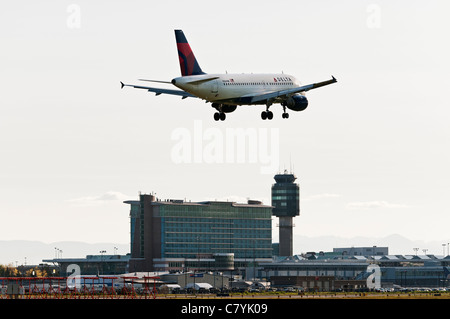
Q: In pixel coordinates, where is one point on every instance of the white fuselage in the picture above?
(231, 88)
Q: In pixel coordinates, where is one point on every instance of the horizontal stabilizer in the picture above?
(159, 91)
(155, 81)
(203, 80)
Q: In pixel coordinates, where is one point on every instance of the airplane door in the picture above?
(215, 87)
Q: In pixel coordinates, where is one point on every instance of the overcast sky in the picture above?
(371, 152)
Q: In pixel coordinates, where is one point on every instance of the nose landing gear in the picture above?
(285, 115)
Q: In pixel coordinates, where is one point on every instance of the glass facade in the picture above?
(204, 229)
(285, 196)
(135, 217)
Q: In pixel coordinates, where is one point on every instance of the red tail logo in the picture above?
(188, 62)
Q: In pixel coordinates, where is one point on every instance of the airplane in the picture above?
(226, 91)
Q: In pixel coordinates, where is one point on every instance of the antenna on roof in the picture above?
(290, 163)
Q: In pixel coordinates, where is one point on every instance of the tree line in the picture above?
(26, 271)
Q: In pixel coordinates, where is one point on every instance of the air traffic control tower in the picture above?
(286, 205)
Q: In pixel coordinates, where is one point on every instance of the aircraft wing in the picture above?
(283, 93)
(159, 91)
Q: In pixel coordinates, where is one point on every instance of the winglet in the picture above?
(121, 85)
(334, 79)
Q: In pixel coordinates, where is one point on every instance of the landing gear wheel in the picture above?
(222, 116)
(285, 115)
(216, 116)
(264, 115)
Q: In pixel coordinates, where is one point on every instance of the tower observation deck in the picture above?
(286, 203)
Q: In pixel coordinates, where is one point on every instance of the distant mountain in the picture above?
(33, 252)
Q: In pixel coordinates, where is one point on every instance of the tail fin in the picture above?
(188, 62)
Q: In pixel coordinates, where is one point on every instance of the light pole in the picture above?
(58, 253)
(416, 250)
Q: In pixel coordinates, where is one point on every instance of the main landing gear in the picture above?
(266, 115)
(219, 116)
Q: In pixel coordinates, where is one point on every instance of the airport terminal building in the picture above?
(175, 235)
(341, 270)
(235, 239)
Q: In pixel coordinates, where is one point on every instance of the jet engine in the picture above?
(296, 102)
